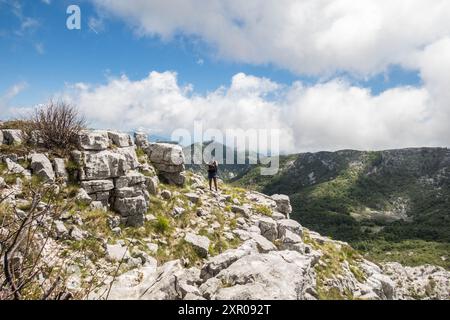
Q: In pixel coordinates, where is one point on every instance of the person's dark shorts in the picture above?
(212, 175)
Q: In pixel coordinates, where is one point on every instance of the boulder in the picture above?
(130, 156)
(60, 169)
(140, 139)
(199, 243)
(289, 224)
(120, 139)
(1, 138)
(93, 140)
(95, 186)
(193, 197)
(222, 261)
(168, 159)
(2, 182)
(262, 243)
(283, 203)
(268, 228)
(83, 197)
(132, 209)
(115, 252)
(166, 194)
(61, 230)
(102, 165)
(42, 167)
(278, 275)
(13, 136)
(131, 178)
(153, 183)
(14, 167)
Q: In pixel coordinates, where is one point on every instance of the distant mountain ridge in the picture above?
(393, 196)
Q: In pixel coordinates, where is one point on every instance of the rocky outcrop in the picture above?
(168, 159)
(199, 243)
(42, 167)
(107, 162)
(283, 204)
(13, 136)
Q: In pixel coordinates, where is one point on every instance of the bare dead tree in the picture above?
(58, 125)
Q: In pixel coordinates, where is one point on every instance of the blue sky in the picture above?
(71, 56)
(333, 74)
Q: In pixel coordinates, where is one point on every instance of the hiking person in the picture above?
(212, 173)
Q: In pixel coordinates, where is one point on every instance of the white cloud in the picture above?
(326, 116)
(305, 36)
(8, 96)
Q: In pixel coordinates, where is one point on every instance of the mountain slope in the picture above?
(379, 201)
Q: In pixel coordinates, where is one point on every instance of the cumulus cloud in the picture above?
(8, 96)
(317, 37)
(326, 116)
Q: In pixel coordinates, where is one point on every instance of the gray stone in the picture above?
(14, 167)
(13, 136)
(103, 165)
(199, 243)
(264, 245)
(60, 169)
(132, 208)
(131, 178)
(278, 275)
(283, 203)
(94, 186)
(83, 197)
(60, 228)
(140, 139)
(42, 167)
(115, 252)
(193, 197)
(166, 194)
(76, 234)
(2, 183)
(93, 140)
(268, 228)
(288, 224)
(178, 211)
(152, 184)
(120, 139)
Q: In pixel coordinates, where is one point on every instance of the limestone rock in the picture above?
(60, 169)
(140, 139)
(120, 139)
(289, 224)
(94, 186)
(283, 203)
(102, 165)
(168, 160)
(193, 197)
(83, 197)
(93, 140)
(115, 252)
(13, 136)
(199, 243)
(263, 276)
(133, 209)
(268, 228)
(61, 230)
(14, 167)
(153, 183)
(222, 261)
(166, 194)
(42, 167)
(263, 244)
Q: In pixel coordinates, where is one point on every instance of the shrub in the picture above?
(162, 224)
(58, 124)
